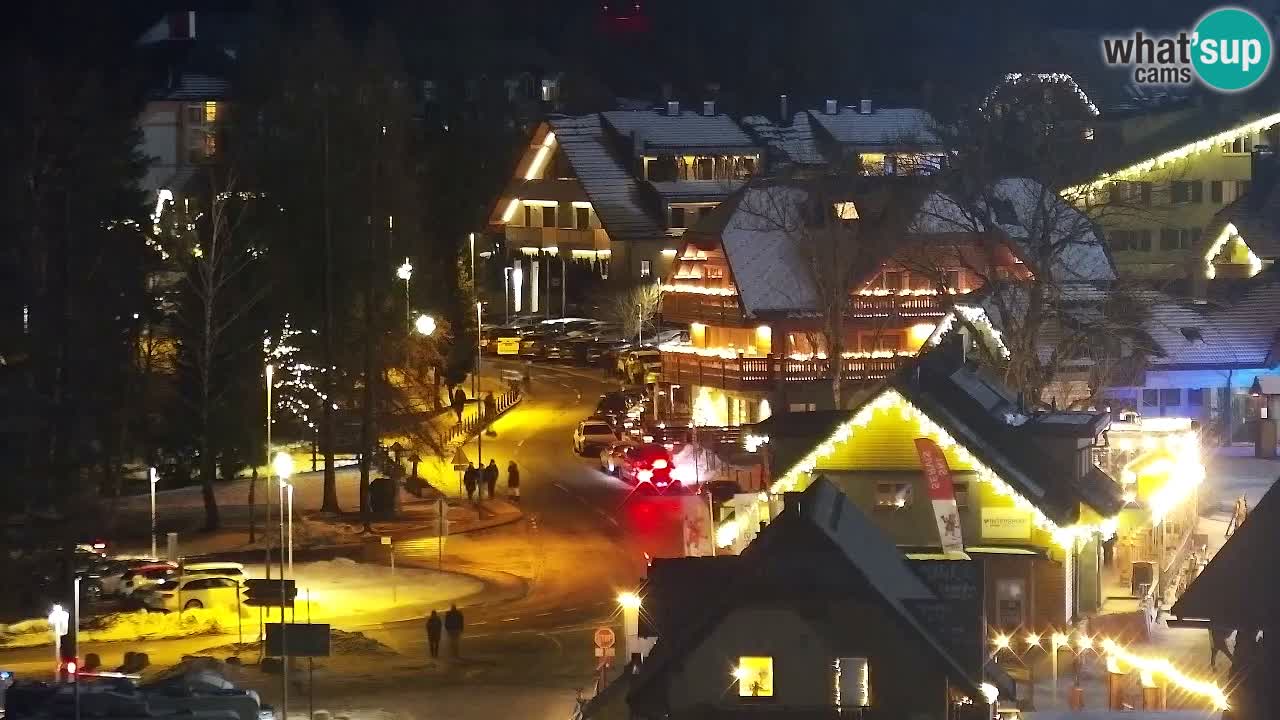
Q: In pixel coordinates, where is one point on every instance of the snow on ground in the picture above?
(339, 591)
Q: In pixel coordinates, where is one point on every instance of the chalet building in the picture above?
(617, 189)
(862, 138)
(1243, 238)
(745, 283)
(820, 616)
(1161, 167)
(1035, 508)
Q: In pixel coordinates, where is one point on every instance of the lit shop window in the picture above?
(755, 676)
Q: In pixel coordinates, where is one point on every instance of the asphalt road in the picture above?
(584, 538)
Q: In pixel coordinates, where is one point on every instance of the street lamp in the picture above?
(266, 523)
(475, 380)
(404, 272)
(517, 286)
(58, 619)
(639, 324)
(282, 463)
(506, 294)
(155, 478)
(425, 325)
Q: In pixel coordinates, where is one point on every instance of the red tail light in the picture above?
(659, 464)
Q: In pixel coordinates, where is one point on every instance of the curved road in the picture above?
(584, 538)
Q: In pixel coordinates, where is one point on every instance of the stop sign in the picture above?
(604, 638)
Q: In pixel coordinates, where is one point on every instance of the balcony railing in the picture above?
(894, 306)
(761, 373)
(565, 239)
(721, 310)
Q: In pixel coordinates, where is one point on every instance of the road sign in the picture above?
(604, 638)
(508, 346)
(304, 640)
(266, 593)
(460, 459)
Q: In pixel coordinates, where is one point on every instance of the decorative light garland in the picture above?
(1178, 153)
(699, 290)
(1026, 79)
(1216, 248)
(732, 353)
(1162, 666)
(890, 399)
(975, 316)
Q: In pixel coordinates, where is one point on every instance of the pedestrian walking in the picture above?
(470, 479)
(434, 627)
(453, 626)
(459, 402)
(490, 407)
(491, 477)
(1218, 644)
(513, 481)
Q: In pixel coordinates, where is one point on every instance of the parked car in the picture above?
(108, 577)
(533, 344)
(611, 455)
(232, 570)
(642, 366)
(649, 463)
(140, 578)
(591, 435)
(191, 592)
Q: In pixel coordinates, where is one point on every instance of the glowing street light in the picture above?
(1033, 640)
(282, 463)
(425, 325)
(1084, 642)
(154, 478)
(1000, 641)
(629, 601)
(404, 272)
(58, 619)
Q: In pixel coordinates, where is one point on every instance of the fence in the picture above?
(473, 423)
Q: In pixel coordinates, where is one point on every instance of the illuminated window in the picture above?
(210, 112)
(755, 676)
(645, 268)
(853, 682)
(893, 495)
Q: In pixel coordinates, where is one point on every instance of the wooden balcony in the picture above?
(869, 306)
(762, 373)
(719, 310)
(566, 239)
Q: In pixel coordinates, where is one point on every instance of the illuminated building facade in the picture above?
(1034, 506)
(745, 283)
(616, 190)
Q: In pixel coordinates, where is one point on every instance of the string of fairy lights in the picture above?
(294, 387)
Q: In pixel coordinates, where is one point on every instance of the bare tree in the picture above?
(213, 257)
(632, 308)
(838, 234)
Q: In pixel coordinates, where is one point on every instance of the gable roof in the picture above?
(1256, 217)
(792, 143)
(1029, 215)
(822, 514)
(986, 418)
(1240, 587)
(882, 128)
(657, 131)
(616, 196)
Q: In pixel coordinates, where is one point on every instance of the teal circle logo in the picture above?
(1231, 49)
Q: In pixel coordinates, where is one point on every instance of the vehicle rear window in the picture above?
(597, 429)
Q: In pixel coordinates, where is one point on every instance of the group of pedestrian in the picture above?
(451, 625)
(480, 479)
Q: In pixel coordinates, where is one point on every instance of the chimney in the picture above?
(708, 108)
(673, 107)
(831, 108)
(865, 107)
(1262, 170)
(637, 143)
(782, 108)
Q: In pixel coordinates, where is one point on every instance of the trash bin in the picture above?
(382, 496)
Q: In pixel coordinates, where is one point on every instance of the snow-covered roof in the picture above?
(765, 259)
(882, 127)
(615, 194)
(793, 143)
(688, 130)
(196, 86)
(1027, 212)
